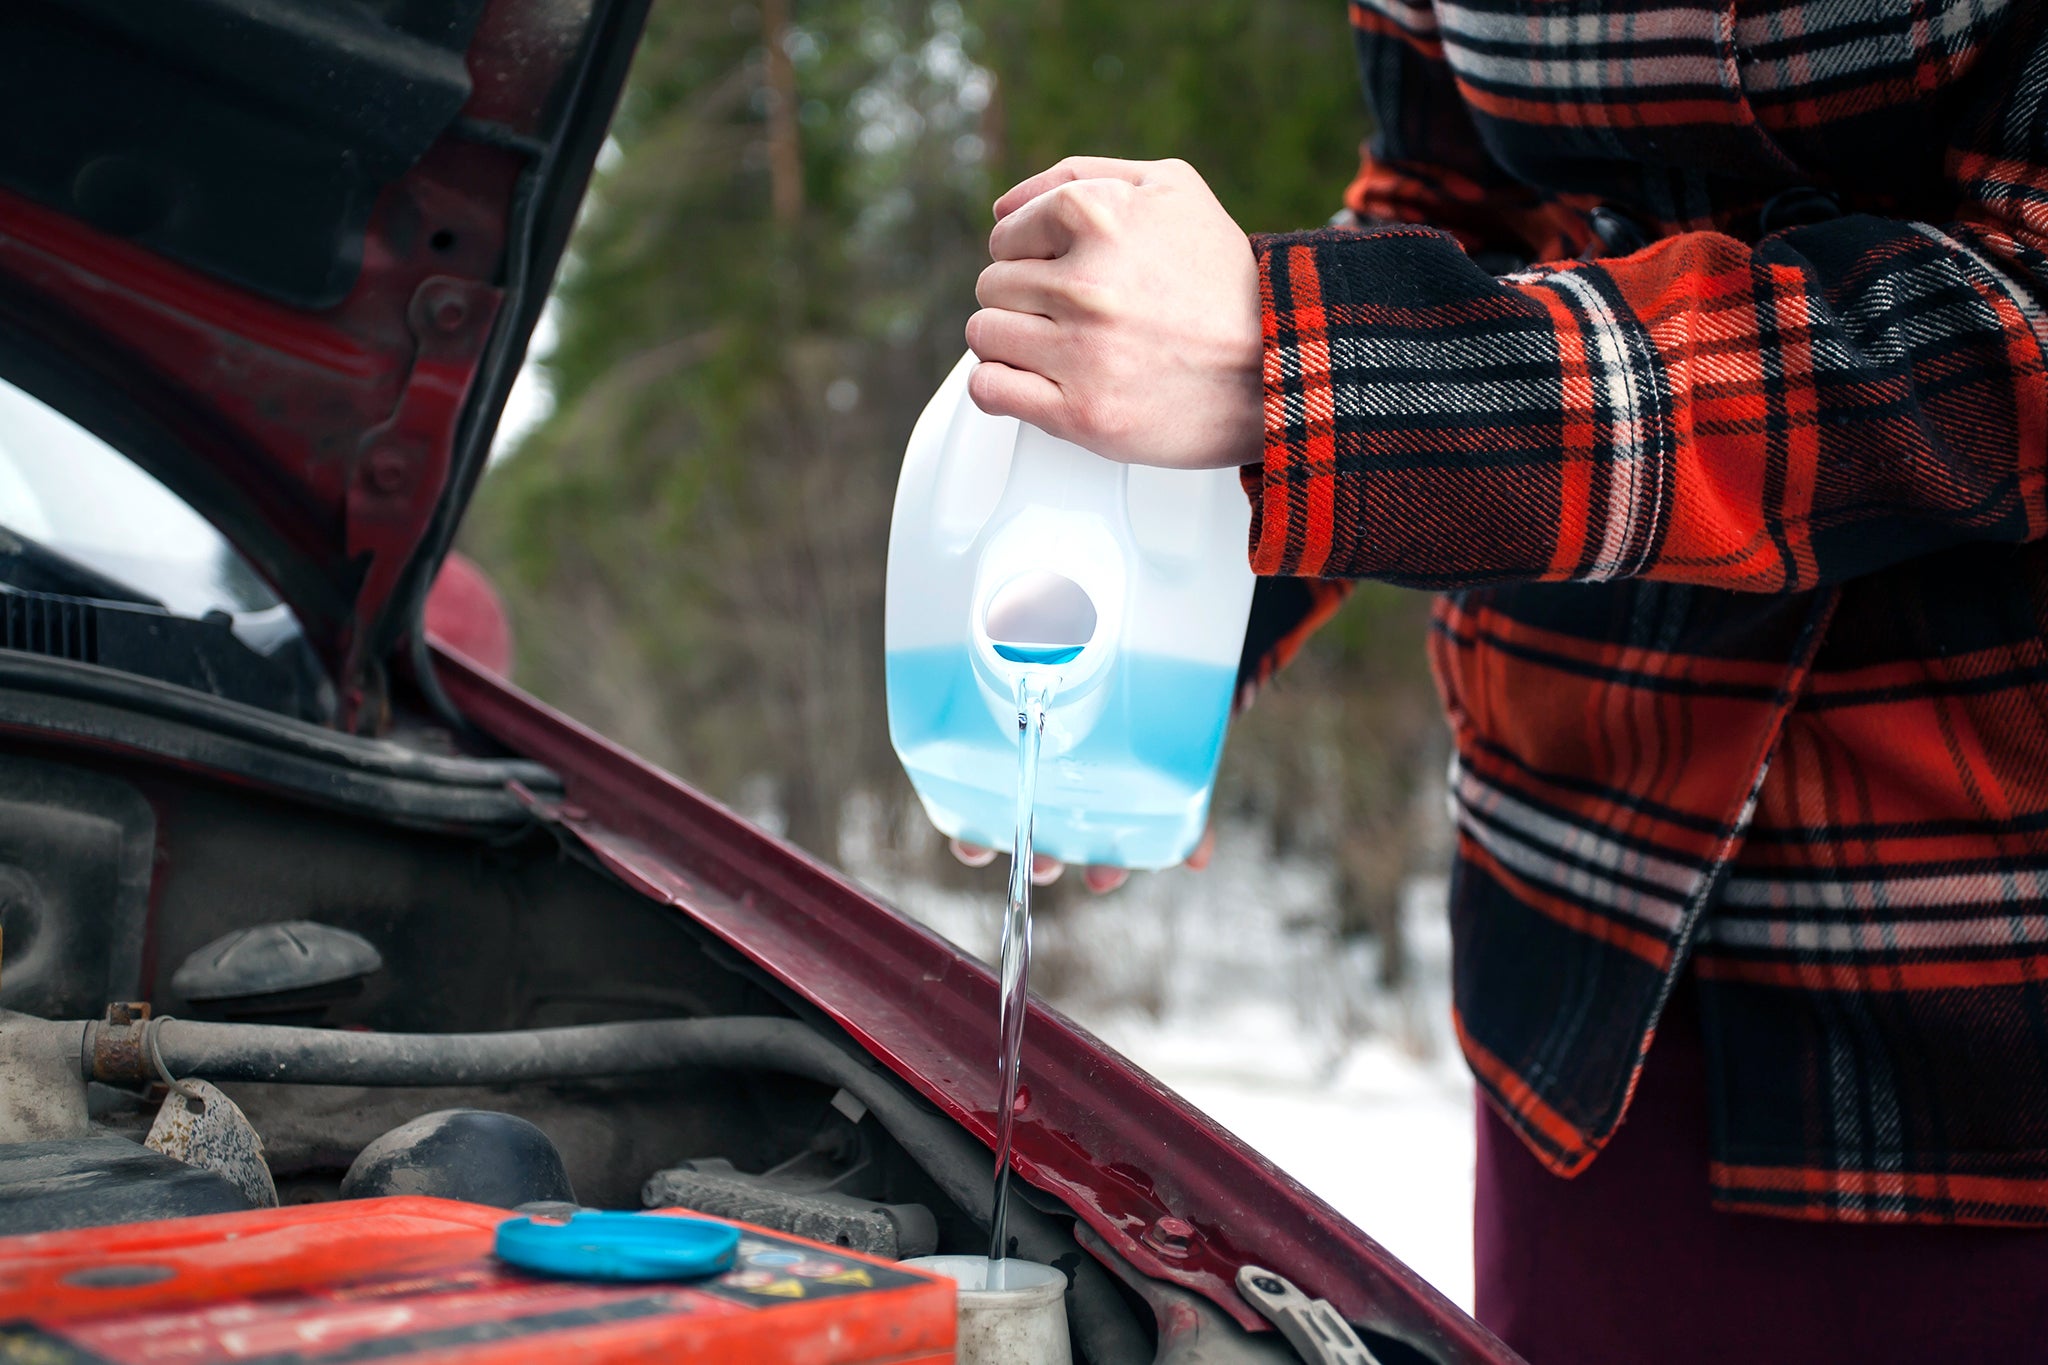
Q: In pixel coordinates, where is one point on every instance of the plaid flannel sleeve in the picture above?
(1425, 163)
(1840, 396)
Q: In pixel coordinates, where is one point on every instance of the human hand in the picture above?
(1122, 313)
(1045, 871)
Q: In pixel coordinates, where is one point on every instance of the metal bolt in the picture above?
(1173, 1237)
(1266, 1284)
(386, 470)
(450, 313)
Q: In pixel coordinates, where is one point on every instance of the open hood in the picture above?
(287, 255)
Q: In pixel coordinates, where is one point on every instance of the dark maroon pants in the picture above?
(1628, 1264)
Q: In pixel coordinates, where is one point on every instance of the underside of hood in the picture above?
(286, 255)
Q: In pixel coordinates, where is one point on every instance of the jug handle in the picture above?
(1064, 476)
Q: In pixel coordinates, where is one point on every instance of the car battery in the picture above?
(414, 1281)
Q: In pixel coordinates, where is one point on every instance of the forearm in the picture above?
(1843, 396)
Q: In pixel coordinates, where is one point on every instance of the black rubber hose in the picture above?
(309, 1056)
(1101, 1319)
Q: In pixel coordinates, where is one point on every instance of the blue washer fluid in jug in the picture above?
(1133, 792)
(1120, 592)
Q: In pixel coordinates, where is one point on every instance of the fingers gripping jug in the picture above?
(1118, 592)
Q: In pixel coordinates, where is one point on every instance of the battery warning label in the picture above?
(391, 1317)
(769, 1269)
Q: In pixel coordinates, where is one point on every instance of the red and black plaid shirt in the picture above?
(1745, 634)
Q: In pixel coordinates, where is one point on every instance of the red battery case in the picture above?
(413, 1281)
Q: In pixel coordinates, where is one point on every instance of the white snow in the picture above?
(1388, 1142)
(1229, 986)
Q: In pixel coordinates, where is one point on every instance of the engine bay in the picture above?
(216, 999)
(245, 963)
(137, 905)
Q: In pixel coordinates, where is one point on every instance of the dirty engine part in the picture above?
(111, 1050)
(288, 973)
(124, 1053)
(94, 1182)
(200, 1126)
(894, 1231)
(476, 1155)
(75, 856)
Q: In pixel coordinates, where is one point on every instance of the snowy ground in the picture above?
(1227, 986)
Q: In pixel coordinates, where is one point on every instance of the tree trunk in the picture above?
(785, 151)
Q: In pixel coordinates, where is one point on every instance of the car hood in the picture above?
(287, 257)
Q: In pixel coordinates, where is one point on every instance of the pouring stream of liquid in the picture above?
(1032, 693)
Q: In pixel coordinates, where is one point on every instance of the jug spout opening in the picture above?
(1040, 617)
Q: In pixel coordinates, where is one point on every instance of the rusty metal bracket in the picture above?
(201, 1126)
(117, 1051)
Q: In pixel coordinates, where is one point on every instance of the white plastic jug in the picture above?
(1126, 587)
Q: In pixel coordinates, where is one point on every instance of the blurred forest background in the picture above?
(775, 264)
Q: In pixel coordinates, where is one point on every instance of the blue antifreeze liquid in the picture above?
(1135, 791)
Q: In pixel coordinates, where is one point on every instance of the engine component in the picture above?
(1020, 1319)
(220, 652)
(42, 1095)
(287, 973)
(202, 1127)
(76, 849)
(414, 1280)
(475, 1155)
(91, 1182)
(120, 1050)
(254, 1052)
(893, 1231)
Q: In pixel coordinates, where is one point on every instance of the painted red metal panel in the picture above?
(331, 431)
(1097, 1132)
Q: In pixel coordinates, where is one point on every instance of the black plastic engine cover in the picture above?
(76, 853)
(476, 1155)
(92, 1182)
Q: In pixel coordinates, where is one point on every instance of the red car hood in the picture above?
(287, 257)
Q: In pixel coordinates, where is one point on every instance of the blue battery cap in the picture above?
(594, 1245)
